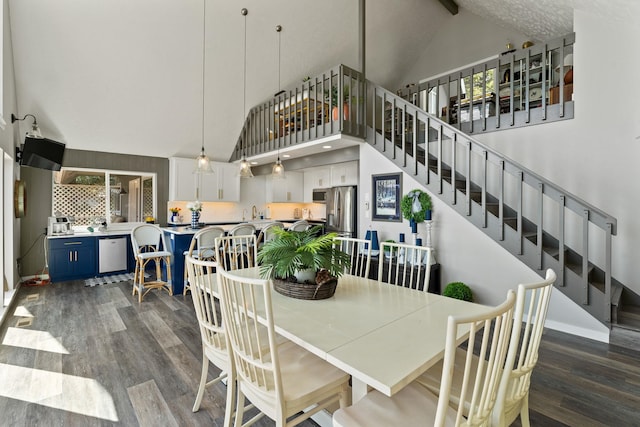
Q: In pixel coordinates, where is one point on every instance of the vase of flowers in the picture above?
(175, 214)
(195, 208)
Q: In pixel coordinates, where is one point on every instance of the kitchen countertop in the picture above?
(78, 234)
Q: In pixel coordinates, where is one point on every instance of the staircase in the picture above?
(529, 216)
(538, 222)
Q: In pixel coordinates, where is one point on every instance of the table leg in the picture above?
(358, 390)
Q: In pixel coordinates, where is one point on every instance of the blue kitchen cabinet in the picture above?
(72, 258)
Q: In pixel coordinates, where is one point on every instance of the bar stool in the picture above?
(147, 241)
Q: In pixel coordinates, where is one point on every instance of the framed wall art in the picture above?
(387, 192)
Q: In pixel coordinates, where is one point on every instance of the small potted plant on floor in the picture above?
(303, 264)
(458, 290)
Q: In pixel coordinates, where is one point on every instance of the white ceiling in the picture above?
(125, 76)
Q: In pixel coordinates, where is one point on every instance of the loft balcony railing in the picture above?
(519, 87)
(330, 104)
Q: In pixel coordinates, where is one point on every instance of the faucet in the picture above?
(254, 212)
(244, 213)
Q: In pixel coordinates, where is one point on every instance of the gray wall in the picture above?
(38, 183)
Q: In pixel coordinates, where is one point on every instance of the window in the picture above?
(94, 197)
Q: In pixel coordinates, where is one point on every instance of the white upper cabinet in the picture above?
(182, 180)
(344, 174)
(223, 185)
(288, 190)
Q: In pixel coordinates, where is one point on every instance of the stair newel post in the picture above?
(585, 257)
(607, 272)
(439, 160)
(454, 167)
(485, 159)
(540, 225)
(519, 213)
(501, 199)
(468, 179)
(561, 220)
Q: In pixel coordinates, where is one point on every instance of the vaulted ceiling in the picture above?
(126, 75)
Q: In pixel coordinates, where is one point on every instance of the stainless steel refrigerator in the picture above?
(342, 212)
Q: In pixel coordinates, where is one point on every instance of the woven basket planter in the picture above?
(306, 290)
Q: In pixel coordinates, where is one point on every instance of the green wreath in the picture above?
(408, 205)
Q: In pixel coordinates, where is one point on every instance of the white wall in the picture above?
(466, 254)
(463, 39)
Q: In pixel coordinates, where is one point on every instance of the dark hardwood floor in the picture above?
(78, 356)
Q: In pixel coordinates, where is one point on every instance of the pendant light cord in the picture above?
(279, 31)
(204, 56)
(244, 12)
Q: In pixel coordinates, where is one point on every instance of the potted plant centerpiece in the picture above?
(303, 264)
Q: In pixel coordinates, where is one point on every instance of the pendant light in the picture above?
(203, 164)
(278, 167)
(245, 167)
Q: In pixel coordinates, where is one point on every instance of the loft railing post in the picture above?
(454, 147)
(440, 178)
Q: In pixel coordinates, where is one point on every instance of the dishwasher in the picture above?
(112, 254)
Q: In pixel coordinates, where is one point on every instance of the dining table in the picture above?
(381, 334)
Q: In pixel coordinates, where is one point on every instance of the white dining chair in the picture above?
(267, 232)
(243, 229)
(149, 245)
(202, 277)
(513, 394)
(236, 252)
(301, 225)
(359, 251)
(202, 247)
(405, 265)
(281, 380)
(415, 405)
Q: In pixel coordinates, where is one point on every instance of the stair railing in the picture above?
(329, 104)
(480, 182)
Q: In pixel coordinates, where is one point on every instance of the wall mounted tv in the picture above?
(42, 153)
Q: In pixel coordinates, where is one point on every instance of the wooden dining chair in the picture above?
(415, 405)
(149, 245)
(267, 232)
(359, 251)
(513, 394)
(405, 265)
(281, 380)
(203, 246)
(240, 251)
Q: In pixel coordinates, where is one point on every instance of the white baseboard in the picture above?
(576, 330)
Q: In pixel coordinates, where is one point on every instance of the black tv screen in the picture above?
(42, 153)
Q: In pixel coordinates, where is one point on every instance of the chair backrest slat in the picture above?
(405, 265)
(237, 252)
(359, 251)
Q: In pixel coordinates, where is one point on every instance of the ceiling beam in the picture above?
(450, 5)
